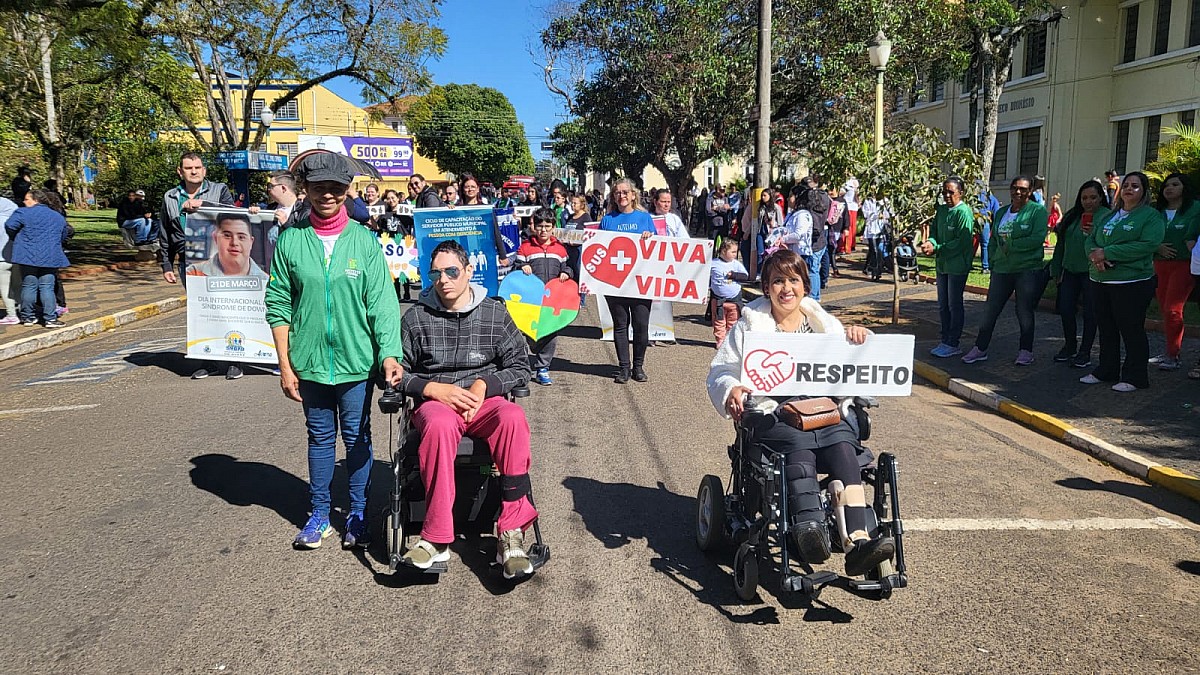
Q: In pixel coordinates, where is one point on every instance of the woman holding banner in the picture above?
(336, 324)
(833, 449)
(626, 215)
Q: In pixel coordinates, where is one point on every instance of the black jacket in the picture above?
(129, 210)
(428, 199)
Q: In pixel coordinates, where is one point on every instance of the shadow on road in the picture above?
(252, 484)
(1189, 566)
(618, 513)
(173, 362)
(1148, 494)
(605, 370)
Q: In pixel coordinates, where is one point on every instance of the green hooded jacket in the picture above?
(1070, 250)
(954, 239)
(1017, 246)
(1184, 227)
(1129, 242)
(344, 319)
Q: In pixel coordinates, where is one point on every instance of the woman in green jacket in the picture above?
(1121, 250)
(953, 246)
(1015, 252)
(1069, 268)
(336, 323)
(1173, 262)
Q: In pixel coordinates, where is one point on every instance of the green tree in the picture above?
(668, 87)
(1181, 155)
(466, 127)
(240, 45)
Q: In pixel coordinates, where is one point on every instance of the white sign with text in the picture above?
(816, 364)
(658, 268)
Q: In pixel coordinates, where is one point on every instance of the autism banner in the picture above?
(662, 322)
(658, 268)
(473, 227)
(226, 317)
(812, 364)
(539, 310)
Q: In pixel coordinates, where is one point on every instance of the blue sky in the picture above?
(477, 52)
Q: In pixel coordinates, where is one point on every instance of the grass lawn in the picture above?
(97, 240)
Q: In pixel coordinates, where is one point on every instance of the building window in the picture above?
(290, 111)
(1000, 158)
(1162, 26)
(1188, 118)
(256, 108)
(1129, 48)
(289, 149)
(1153, 131)
(1035, 51)
(1122, 147)
(1194, 25)
(938, 92)
(1031, 145)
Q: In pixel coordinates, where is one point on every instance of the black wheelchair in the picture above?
(477, 502)
(760, 529)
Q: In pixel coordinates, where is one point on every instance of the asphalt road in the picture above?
(149, 528)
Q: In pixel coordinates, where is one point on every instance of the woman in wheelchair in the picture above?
(833, 450)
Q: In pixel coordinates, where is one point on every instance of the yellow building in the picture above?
(320, 112)
(1090, 94)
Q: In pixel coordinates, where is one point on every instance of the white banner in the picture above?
(811, 364)
(226, 319)
(662, 321)
(658, 268)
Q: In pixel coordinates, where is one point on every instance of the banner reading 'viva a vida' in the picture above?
(227, 252)
(658, 268)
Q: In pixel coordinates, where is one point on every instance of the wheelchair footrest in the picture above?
(435, 568)
(539, 554)
(808, 584)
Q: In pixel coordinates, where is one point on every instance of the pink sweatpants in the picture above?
(1175, 284)
(503, 424)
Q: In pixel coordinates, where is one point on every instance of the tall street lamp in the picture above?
(267, 117)
(880, 50)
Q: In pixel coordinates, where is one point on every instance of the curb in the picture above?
(1132, 463)
(29, 345)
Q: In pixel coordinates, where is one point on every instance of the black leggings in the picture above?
(624, 312)
(802, 464)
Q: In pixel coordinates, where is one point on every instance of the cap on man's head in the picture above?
(140, 193)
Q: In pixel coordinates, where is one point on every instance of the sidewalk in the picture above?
(100, 299)
(1161, 423)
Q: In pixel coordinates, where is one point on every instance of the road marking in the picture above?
(974, 524)
(58, 408)
(105, 366)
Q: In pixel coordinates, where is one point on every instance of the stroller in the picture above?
(906, 256)
(879, 259)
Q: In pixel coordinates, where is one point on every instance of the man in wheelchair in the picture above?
(462, 355)
(832, 450)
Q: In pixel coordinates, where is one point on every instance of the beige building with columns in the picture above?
(1090, 94)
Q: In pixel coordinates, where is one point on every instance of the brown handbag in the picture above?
(808, 414)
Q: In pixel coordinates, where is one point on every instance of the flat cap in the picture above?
(321, 165)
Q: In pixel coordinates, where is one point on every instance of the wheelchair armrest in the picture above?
(519, 391)
(866, 402)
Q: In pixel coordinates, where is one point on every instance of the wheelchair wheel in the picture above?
(745, 573)
(710, 514)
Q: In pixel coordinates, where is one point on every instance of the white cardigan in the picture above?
(725, 372)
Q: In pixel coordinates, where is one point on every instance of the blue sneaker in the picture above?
(356, 531)
(543, 377)
(945, 351)
(316, 529)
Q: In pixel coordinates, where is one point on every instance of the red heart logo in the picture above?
(612, 264)
(767, 370)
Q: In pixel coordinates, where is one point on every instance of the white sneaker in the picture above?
(1158, 359)
(1089, 379)
(1124, 387)
(1168, 363)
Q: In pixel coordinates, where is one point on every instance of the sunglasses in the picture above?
(435, 274)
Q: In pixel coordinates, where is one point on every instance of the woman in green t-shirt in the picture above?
(1121, 249)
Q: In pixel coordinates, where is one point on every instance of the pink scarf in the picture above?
(329, 226)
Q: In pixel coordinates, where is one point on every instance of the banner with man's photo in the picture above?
(228, 255)
(474, 227)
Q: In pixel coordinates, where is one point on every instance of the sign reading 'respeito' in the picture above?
(810, 364)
